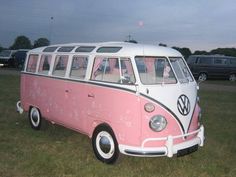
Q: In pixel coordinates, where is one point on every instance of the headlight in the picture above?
(157, 123)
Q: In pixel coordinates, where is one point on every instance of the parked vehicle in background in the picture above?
(19, 58)
(5, 56)
(212, 66)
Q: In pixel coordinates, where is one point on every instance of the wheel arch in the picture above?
(98, 124)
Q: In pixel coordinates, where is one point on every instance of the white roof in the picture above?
(128, 49)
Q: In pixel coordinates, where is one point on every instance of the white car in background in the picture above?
(5, 56)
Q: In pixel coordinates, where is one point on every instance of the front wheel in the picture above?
(232, 77)
(105, 146)
(202, 77)
(35, 118)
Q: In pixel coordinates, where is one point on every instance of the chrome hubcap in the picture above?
(105, 144)
(35, 117)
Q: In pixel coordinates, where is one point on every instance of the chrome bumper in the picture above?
(19, 108)
(169, 149)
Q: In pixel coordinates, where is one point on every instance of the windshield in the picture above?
(181, 70)
(155, 70)
(5, 53)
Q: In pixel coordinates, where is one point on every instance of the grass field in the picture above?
(59, 152)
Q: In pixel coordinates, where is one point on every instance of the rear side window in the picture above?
(45, 63)
(32, 63)
(60, 65)
(114, 70)
(220, 61)
(205, 60)
(191, 60)
(79, 67)
(233, 61)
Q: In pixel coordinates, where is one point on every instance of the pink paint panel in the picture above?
(172, 127)
(83, 106)
(118, 108)
(68, 103)
(194, 123)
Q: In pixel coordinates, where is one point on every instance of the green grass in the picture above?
(220, 82)
(56, 151)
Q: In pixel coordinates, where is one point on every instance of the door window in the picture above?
(114, 70)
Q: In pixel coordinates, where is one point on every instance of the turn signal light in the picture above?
(149, 107)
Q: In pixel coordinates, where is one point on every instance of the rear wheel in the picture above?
(232, 77)
(202, 77)
(35, 118)
(105, 146)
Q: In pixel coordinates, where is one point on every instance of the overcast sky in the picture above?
(197, 24)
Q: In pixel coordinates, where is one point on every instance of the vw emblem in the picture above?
(183, 105)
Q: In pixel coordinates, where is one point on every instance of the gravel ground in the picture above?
(203, 86)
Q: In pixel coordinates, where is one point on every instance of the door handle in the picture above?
(91, 95)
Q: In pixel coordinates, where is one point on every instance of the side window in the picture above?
(60, 65)
(79, 67)
(104, 69)
(233, 61)
(192, 60)
(32, 63)
(205, 60)
(220, 61)
(113, 70)
(45, 63)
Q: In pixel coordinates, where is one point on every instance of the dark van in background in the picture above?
(13, 58)
(212, 66)
(19, 58)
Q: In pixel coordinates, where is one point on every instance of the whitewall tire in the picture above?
(35, 118)
(105, 146)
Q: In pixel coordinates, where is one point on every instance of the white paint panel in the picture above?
(168, 94)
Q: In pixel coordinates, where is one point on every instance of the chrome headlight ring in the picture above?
(157, 123)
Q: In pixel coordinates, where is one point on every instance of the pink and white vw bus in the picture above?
(134, 99)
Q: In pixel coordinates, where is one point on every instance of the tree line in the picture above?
(23, 42)
(186, 52)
